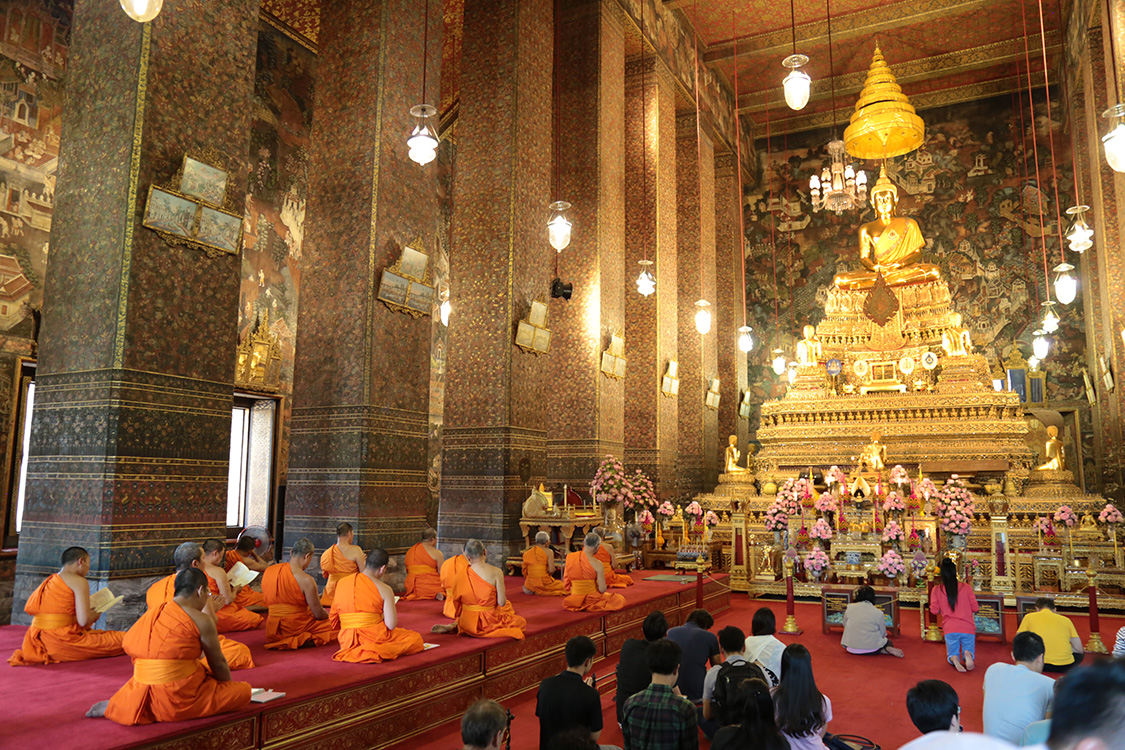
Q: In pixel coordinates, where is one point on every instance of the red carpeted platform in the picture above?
(329, 704)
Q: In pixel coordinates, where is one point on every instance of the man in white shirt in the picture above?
(762, 647)
(1015, 695)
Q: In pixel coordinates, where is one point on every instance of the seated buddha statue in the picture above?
(809, 350)
(730, 461)
(874, 455)
(956, 340)
(1056, 452)
(891, 245)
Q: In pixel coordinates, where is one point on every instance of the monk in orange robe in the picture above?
(231, 616)
(340, 560)
(450, 570)
(484, 608)
(539, 568)
(422, 563)
(190, 555)
(244, 552)
(61, 619)
(364, 611)
(607, 557)
(169, 683)
(296, 615)
(585, 575)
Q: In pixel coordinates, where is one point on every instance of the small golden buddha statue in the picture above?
(891, 245)
(1055, 451)
(874, 455)
(956, 339)
(1089, 524)
(732, 456)
(809, 350)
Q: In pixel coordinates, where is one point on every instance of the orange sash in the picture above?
(359, 619)
(285, 610)
(163, 671)
(48, 621)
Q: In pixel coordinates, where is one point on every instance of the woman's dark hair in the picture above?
(864, 594)
(655, 626)
(797, 702)
(764, 622)
(949, 581)
(758, 729)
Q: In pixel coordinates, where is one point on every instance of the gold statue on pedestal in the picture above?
(809, 350)
(1055, 451)
(890, 245)
(956, 340)
(1089, 525)
(874, 455)
(731, 458)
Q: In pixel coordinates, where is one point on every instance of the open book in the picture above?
(103, 600)
(240, 575)
(264, 695)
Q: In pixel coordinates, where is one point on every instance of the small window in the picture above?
(250, 475)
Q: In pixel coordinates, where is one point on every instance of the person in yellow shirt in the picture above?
(1063, 646)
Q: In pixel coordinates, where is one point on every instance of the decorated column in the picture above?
(731, 363)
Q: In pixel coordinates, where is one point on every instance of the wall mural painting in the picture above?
(274, 215)
(972, 187)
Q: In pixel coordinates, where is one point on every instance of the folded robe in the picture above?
(612, 580)
(237, 654)
(535, 575)
(55, 635)
(422, 579)
(583, 581)
(479, 616)
(169, 683)
(290, 623)
(450, 570)
(233, 617)
(336, 566)
(358, 612)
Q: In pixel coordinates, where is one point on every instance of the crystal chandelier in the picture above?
(839, 188)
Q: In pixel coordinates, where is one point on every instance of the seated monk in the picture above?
(340, 560)
(61, 619)
(422, 563)
(190, 555)
(296, 616)
(231, 616)
(364, 611)
(169, 682)
(484, 608)
(607, 556)
(450, 569)
(244, 552)
(585, 575)
(539, 569)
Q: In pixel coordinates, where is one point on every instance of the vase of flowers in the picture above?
(891, 564)
(894, 534)
(642, 492)
(816, 563)
(695, 511)
(955, 511)
(899, 477)
(1066, 516)
(646, 519)
(821, 531)
(1110, 514)
(893, 503)
(665, 510)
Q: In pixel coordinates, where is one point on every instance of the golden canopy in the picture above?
(884, 123)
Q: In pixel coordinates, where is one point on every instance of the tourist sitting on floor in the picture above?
(801, 710)
(762, 647)
(479, 594)
(633, 674)
(364, 613)
(720, 685)
(169, 683)
(933, 706)
(485, 726)
(865, 626)
(1089, 712)
(956, 604)
(1015, 695)
(1063, 646)
(296, 616)
(344, 558)
(569, 699)
(230, 615)
(658, 717)
(423, 561)
(62, 617)
(539, 569)
(245, 552)
(586, 577)
(756, 728)
(700, 650)
(608, 556)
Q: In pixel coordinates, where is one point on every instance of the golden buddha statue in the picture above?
(956, 340)
(891, 245)
(809, 350)
(732, 456)
(874, 455)
(1055, 450)
(1089, 524)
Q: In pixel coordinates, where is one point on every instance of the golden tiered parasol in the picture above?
(884, 123)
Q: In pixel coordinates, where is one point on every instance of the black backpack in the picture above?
(729, 678)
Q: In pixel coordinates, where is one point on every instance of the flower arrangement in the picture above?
(974, 569)
(1110, 514)
(1042, 525)
(898, 475)
(802, 536)
(776, 518)
(1066, 515)
(643, 493)
(893, 501)
(695, 510)
(914, 541)
(787, 497)
(610, 484)
(918, 565)
(893, 532)
(955, 507)
(710, 519)
(646, 518)
(821, 530)
(666, 509)
(891, 564)
(816, 560)
(835, 476)
(826, 503)
(927, 488)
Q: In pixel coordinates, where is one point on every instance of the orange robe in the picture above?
(336, 567)
(535, 575)
(55, 636)
(450, 570)
(422, 579)
(358, 612)
(583, 581)
(233, 616)
(480, 617)
(612, 580)
(169, 683)
(247, 597)
(237, 654)
(290, 624)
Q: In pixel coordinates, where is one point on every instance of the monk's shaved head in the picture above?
(72, 555)
(593, 541)
(542, 538)
(186, 554)
(211, 546)
(377, 558)
(189, 581)
(246, 543)
(301, 547)
(474, 549)
(343, 529)
(600, 531)
(428, 534)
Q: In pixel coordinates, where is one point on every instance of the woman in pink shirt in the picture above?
(956, 605)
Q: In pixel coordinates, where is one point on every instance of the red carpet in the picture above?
(868, 693)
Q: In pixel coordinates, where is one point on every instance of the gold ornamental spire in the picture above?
(884, 123)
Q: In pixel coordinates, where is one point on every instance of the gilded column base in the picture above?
(1095, 645)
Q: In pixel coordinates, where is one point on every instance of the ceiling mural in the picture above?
(301, 16)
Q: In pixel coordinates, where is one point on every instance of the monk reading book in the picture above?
(585, 575)
(62, 616)
(231, 616)
(296, 616)
(450, 569)
(422, 563)
(169, 683)
(364, 611)
(479, 592)
(607, 556)
(190, 555)
(539, 569)
(341, 559)
(245, 553)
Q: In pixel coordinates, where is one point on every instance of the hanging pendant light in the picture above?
(779, 361)
(797, 84)
(646, 283)
(1066, 286)
(745, 338)
(1050, 322)
(558, 228)
(703, 317)
(792, 375)
(142, 11)
(1114, 140)
(1033, 362)
(423, 140)
(1041, 345)
(1079, 236)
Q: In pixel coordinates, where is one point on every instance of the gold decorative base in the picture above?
(1095, 645)
(790, 626)
(933, 633)
(964, 374)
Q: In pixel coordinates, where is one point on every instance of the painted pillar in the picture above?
(728, 307)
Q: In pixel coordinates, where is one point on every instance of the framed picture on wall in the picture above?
(393, 288)
(219, 229)
(170, 213)
(203, 181)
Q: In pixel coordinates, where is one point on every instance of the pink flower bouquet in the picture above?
(835, 475)
(666, 509)
(710, 518)
(776, 518)
(893, 532)
(955, 507)
(646, 518)
(898, 475)
(927, 489)
(643, 493)
(1066, 515)
(826, 503)
(610, 483)
(1110, 514)
(821, 530)
(694, 509)
(893, 501)
(891, 564)
(816, 560)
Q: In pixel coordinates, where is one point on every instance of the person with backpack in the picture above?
(720, 684)
(756, 728)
